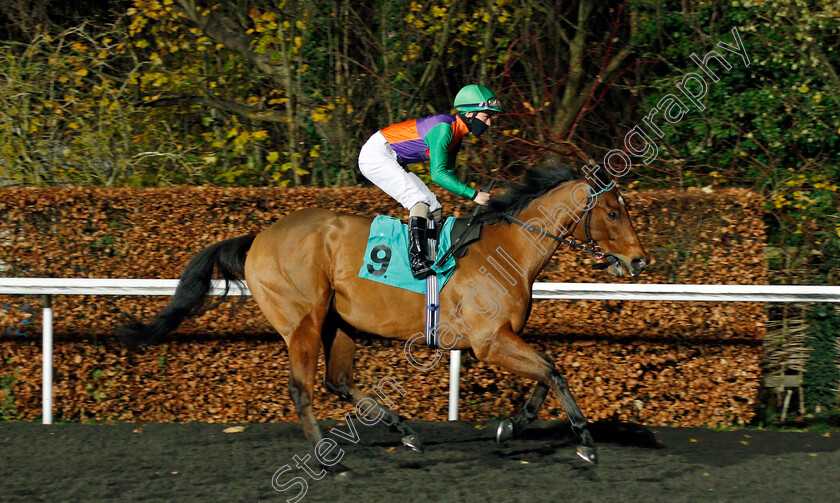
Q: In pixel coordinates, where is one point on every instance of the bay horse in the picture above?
(303, 272)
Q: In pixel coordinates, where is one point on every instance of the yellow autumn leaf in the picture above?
(259, 135)
(272, 157)
(82, 72)
(320, 116)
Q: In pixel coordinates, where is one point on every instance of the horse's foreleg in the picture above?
(586, 450)
(507, 349)
(340, 350)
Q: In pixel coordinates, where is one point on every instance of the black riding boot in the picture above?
(417, 246)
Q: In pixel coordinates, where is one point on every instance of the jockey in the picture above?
(436, 138)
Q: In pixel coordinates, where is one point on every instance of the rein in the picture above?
(591, 246)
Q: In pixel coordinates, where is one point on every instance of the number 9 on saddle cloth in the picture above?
(386, 259)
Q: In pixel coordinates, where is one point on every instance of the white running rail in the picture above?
(47, 287)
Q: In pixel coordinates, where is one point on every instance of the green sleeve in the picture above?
(443, 162)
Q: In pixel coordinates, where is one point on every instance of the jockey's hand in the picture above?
(482, 198)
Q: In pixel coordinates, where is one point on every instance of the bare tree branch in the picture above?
(576, 94)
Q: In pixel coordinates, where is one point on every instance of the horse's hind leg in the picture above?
(303, 358)
(510, 428)
(508, 350)
(340, 350)
(303, 340)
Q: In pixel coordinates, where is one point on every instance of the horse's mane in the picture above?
(517, 196)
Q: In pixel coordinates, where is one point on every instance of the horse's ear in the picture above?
(603, 176)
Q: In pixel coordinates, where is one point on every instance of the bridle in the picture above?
(591, 245)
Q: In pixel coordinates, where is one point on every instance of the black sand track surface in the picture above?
(461, 463)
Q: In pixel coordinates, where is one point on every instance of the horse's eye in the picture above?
(613, 215)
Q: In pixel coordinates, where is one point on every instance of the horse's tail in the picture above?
(227, 257)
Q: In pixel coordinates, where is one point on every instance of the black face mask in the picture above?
(476, 126)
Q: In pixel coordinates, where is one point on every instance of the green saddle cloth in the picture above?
(386, 255)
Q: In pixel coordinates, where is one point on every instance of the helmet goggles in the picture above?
(491, 106)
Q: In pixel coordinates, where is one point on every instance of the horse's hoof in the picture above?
(588, 454)
(505, 431)
(341, 472)
(413, 443)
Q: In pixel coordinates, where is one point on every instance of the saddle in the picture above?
(473, 234)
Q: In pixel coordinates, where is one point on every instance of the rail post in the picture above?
(47, 364)
(454, 380)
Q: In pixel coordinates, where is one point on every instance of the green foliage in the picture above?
(773, 126)
(8, 409)
(69, 117)
(822, 372)
(268, 93)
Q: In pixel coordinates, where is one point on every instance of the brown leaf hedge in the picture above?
(656, 363)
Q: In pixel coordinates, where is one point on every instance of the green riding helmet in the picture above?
(475, 98)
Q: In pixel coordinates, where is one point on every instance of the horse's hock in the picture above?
(680, 363)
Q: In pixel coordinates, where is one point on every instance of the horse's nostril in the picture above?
(638, 264)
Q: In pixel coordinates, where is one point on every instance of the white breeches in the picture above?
(378, 163)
